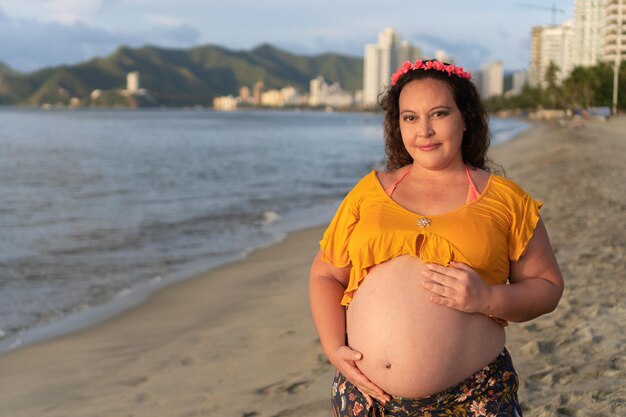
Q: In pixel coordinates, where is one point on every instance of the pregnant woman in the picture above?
(423, 265)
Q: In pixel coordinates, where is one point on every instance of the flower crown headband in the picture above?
(427, 66)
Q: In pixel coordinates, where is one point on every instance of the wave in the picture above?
(269, 217)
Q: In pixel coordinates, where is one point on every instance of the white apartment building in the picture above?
(552, 43)
(520, 79)
(588, 32)
(491, 79)
(567, 50)
(318, 90)
(338, 97)
(442, 56)
(615, 31)
(225, 103)
(372, 85)
(132, 82)
(322, 94)
(381, 60)
(286, 96)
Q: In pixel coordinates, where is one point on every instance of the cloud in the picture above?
(468, 54)
(181, 35)
(36, 44)
(70, 11)
(163, 20)
(321, 45)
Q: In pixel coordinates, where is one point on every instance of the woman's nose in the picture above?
(425, 130)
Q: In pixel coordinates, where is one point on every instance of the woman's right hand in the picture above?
(344, 359)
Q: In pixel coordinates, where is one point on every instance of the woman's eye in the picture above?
(408, 118)
(439, 114)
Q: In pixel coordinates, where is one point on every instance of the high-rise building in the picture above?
(408, 52)
(588, 46)
(615, 31)
(520, 79)
(551, 44)
(372, 85)
(535, 57)
(567, 50)
(244, 93)
(491, 79)
(257, 91)
(442, 56)
(132, 82)
(318, 91)
(381, 60)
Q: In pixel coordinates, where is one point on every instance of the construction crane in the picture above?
(553, 9)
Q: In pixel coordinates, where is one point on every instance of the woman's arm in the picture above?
(536, 283)
(535, 286)
(326, 287)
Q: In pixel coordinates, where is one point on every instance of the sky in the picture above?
(41, 33)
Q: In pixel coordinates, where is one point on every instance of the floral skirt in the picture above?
(490, 392)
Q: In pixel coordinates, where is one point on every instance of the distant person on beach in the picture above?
(423, 264)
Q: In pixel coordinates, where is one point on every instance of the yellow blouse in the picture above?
(487, 233)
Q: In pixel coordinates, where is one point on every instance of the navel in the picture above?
(388, 365)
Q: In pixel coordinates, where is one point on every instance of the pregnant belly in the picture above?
(411, 346)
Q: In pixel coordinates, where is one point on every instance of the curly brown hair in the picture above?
(476, 138)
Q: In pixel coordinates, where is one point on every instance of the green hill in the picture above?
(177, 77)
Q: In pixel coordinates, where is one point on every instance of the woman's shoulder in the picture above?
(388, 178)
(364, 185)
(507, 187)
(480, 178)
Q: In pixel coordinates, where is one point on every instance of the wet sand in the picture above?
(239, 341)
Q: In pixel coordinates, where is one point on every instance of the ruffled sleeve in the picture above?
(334, 244)
(525, 216)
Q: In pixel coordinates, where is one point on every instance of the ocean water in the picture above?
(100, 208)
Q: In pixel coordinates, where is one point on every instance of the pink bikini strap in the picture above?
(472, 192)
(389, 190)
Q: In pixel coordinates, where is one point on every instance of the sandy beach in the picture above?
(239, 341)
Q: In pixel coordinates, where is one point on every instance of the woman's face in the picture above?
(431, 124)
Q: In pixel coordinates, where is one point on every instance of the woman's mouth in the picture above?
(429, 147)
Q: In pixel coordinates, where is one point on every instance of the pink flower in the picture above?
(342, 388)
(357, 409)
(396, 77)
(426, 66)
(464, 396)
(480, 377)
(478, 408)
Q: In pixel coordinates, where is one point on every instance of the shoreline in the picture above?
(243, 330)
(137, 294)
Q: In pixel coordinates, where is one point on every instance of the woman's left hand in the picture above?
(457, 286)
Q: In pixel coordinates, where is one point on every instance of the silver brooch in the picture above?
(423, 222)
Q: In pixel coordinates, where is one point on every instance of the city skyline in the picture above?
(55, 32)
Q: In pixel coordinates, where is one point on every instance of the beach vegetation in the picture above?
(585, 87)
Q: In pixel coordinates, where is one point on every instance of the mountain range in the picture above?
(176, 77)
